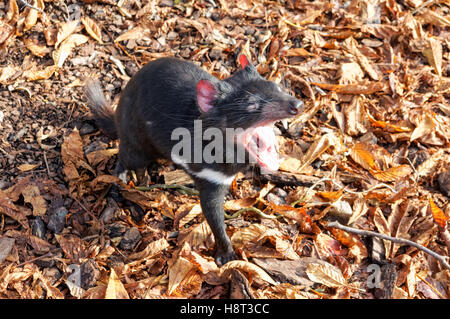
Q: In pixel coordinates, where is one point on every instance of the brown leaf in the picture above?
(433, 53)
(297, 52)
(133, 34)
(326, 274)
(95, 157)
(36, 49)
(115, 289)
(9, 209)
(32, 195)
(72, 246)
(35, 74)
(13, 12)
(27, 167)
(361, 154)
(438, 215)
(65, 30)
(331, 196)
(33, 14)
(64, 50)
(352, 88)
(92, 29)
(152, 249)
(247, 268)
(392, 174)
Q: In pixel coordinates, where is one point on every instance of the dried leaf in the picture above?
(36, 49)
(438, 215)
(433, 53)
(33, 14)
(326, 274)
(115, 289)
(352, 88)
(92, 29)
(43, 74)
(65, 30)
(245, 267)
(133, 34)
(11, 210)
(152, 249)
(361, 154)
(27, 167)
(32, 195)
(392, 174)
(60, 55)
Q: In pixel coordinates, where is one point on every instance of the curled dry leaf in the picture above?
(438, 215)
(199, 237)
(92, 29)
(133, 34)
(65, 30)
(152, 249)
(35, 74)
(7, 74)
(11, 210)
(27, 167)
(33, 14)
(245, 267)
(61, 54)
(36, 49)
(195, 211)
(361, 154)
(433, 53)
(326, 274)
(12, 15)
(184, 278)
(392, 174)
(314, 151)
(31, 194)
(361, 88)
(95, 157)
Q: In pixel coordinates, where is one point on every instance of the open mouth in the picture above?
(261, 143)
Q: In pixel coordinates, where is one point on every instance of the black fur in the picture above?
(163, 96)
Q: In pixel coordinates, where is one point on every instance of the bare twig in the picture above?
(338, 185)
(26, 4)
(182, 189)
(46, 165)
(442, 259)
(250, 209)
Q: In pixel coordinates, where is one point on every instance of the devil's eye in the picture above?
(253, 104)
(252, 107)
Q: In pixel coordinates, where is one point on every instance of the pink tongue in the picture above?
(266, 153)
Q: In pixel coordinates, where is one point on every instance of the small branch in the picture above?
(250, 209)
(182, 189)
(442, 259)
(324, 179)
(26, 4)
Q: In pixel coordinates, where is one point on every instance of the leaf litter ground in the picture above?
(371, 151)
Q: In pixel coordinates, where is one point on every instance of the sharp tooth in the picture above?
(285, 124)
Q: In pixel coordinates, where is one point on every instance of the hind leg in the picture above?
(131, 157)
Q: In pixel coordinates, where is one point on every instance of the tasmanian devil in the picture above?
(211, 128)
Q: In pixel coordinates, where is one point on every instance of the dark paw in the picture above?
(223, 257)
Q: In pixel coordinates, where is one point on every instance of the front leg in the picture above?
(212, 197)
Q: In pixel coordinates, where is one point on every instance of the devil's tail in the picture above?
(100, 108)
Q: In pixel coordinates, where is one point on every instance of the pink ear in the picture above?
(243, 61)
(206, 93)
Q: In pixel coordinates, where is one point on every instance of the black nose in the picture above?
(294, 107)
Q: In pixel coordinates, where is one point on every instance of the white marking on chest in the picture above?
(214, 176)
(206, 173)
